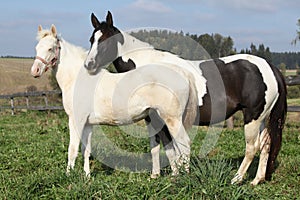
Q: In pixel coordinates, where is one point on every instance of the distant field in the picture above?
(291, 72)
(15, 76)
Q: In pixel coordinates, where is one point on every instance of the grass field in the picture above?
(15, 76)
(293, 102)
(291, 72)
(34, 157)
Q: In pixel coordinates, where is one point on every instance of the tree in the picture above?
(282, 68)
(253, 49)
(298, 33)
(216, 44)
(207, 42)
(262, 51)
(218, 40)
(268, 55)
(227, 47)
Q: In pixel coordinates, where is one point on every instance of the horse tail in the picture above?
(276, 122)
(191, 106)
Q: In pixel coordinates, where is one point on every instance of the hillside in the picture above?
(15, 76)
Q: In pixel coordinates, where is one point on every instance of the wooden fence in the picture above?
(290, 81)
(41, 100)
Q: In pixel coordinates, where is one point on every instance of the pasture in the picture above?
(15, 76)
(34, 157)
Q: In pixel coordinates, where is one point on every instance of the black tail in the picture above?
(276, 122)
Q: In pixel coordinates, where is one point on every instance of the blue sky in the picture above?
(271, 22)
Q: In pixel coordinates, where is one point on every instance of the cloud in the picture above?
(143, 13)
(150, 6)
(51, 17)
(242, 5)
(256, 5)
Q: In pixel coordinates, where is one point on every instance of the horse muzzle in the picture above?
(36, 69)
(91, 67)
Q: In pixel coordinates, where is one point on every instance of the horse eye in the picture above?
(50, 49)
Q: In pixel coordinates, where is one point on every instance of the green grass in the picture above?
(292, 72)
(293, 102)
(34, 157)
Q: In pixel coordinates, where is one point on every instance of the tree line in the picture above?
(205, 46)
(20, 57)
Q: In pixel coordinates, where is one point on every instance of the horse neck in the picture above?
(132, 44)
(71, 60)
(143, 53)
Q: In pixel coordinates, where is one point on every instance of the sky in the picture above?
(271, 22)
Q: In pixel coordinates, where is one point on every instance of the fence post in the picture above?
(27, 102)
(12, 105)
(46, 100)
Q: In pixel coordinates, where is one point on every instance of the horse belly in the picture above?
(160, 98)
(118, 110)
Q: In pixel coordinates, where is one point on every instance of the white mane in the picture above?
(132, 44)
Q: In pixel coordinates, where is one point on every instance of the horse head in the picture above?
(47, 51)
(104, 44)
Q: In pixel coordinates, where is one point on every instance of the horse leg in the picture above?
(181, 143)
(158, 132)
(263, 158)
(168, 145)
(252, 146)
(155, 148)
(73, 145)
(86, 148)
(154, 145)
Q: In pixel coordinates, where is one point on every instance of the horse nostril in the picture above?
(36, 72)
(90, 65)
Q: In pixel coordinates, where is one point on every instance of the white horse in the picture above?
(99, 99)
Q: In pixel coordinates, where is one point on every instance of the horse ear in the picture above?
(40, 28)
(95, 21)
(53, 30)
(109, 19)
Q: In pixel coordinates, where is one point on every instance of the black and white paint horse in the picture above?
(248, 83)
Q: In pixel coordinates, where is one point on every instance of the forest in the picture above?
(205, 46)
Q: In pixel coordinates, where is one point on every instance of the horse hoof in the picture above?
(256, 181)
(237, 179)
(68, 171)
(88, 176)
(154, 176)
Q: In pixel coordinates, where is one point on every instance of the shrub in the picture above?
(293, 92)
